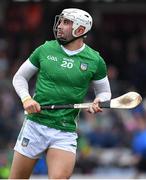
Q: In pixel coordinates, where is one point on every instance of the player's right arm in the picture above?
(20, 83)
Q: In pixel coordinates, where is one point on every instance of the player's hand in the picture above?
(31, 106)
(94, 108)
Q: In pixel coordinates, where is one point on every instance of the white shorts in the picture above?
(34, 139)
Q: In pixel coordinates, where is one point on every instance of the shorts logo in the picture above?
(25, 142)
(83, 66)
(73, 145)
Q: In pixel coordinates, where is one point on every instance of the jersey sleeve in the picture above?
(35, 57)
(101, 71)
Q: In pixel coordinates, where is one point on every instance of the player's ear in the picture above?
(79, 31)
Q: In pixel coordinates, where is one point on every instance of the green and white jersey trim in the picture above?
(70, 53)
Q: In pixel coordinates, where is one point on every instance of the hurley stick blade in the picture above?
(126, 101)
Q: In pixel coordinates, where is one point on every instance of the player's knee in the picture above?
(60, 175)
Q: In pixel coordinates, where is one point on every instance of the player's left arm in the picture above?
(102, 92)
(101, 86)
(102, 89)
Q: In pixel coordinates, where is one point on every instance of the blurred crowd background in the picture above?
(114, 140)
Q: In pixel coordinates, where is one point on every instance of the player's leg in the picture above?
(61, 154)
(22, 166)
(60, 163)
(28, 148)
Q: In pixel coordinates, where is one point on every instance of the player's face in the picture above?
(64, 29)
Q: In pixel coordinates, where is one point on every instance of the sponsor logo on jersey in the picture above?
(68, 59)
(25, 142)
(52, 58)
(83, 66)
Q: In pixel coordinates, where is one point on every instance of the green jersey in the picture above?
(63, 79)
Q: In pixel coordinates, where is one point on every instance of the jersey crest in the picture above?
(83, 66)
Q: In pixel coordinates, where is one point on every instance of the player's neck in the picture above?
(74, 45)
